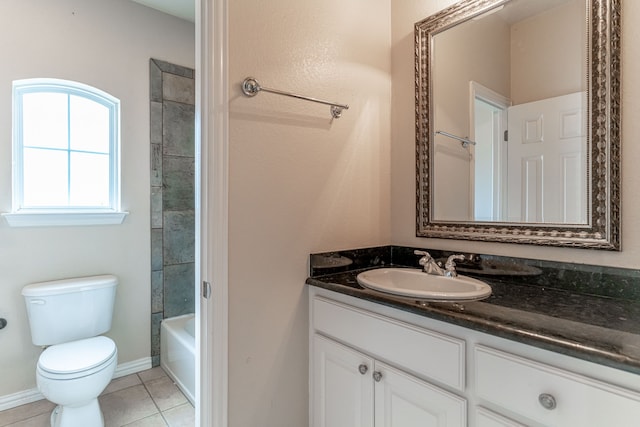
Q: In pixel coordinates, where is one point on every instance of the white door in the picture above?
(547, 161)
(342, 385)
(402, 400)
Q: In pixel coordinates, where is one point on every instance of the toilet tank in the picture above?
(71, 309)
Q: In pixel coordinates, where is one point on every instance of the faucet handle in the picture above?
(450, 266)
(451, 261)
(425, 256)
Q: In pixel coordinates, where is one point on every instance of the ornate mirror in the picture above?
(518, 122)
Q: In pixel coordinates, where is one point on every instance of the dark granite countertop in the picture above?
(596, 328)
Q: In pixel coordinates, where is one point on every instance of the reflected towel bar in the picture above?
(250, 87)
(464, 141)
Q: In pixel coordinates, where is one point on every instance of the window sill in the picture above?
(48, 219)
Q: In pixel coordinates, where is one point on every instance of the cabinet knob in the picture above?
(547, 401)
(377, 376)
(363, 368)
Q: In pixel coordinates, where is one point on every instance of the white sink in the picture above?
(410, 282)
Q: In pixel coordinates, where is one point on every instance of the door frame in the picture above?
(501, 102)
(212, 143)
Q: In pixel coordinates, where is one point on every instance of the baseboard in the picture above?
(27, 396)
(133, 367)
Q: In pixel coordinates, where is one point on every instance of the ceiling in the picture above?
(184, 9)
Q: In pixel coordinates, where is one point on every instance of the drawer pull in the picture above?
(363, 368)
(547, 401)
(377, 376)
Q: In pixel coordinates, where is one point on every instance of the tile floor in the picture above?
(145, 399)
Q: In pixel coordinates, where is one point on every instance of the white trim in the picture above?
(212, 100)
(46, 219)
(20, 398)
(133, 367)
(33, 395)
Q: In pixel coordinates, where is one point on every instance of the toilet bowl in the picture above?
(72, 375)
(69, 317)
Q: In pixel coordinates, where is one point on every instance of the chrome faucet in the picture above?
(450, 265)
(431, 266)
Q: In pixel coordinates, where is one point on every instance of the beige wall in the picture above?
(299, 182)
(106, 44)
(553, 65)
(402, 153)
(482, 55)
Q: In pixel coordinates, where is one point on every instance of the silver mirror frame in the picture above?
(603, 229)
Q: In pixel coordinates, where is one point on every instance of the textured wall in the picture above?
(299, 182)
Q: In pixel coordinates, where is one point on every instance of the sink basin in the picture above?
(411, 282)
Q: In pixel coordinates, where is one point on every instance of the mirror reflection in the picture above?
(518, 122)
(510, 120)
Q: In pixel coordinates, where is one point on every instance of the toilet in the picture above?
(68, 317)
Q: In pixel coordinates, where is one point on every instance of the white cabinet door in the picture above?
(402, 400)
(342, 385)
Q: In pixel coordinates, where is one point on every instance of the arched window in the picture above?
(66, 165)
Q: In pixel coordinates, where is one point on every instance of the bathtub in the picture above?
(178, 352)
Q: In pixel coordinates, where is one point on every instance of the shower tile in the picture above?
(178, 237)
(178, 89)
(156, 318)
(155, 81)
(156, 207)
(156, 249)
(157, 291)
(178, 182)
(156, 123)
(168, 67)
(179, 289)
(156, 165)
(178, 129)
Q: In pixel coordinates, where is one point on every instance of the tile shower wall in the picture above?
(172, 93)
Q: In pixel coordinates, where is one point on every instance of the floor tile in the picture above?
(152, 421)
(23, 412)
(126, 406)
(181, 416)
(42, 420)
(122, 383)
(151, 374)
(165, 393)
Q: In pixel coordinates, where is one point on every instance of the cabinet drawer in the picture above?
(523, 387)
(430, 354)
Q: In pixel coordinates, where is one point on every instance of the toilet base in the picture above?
(88, 414)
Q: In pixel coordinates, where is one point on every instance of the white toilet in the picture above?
(68, 315)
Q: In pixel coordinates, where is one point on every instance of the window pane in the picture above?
(45, 178)
(89, 125)
(89, 180)
(44, 120)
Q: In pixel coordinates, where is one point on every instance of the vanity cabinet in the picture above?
(354, 390)
(380, 383)
(373, 365)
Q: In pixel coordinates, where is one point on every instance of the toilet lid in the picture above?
(77, 356)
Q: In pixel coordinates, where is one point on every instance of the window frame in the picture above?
(22, 215)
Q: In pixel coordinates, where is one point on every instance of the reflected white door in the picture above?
(547, 161)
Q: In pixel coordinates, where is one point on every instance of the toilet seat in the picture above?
(77, 358)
